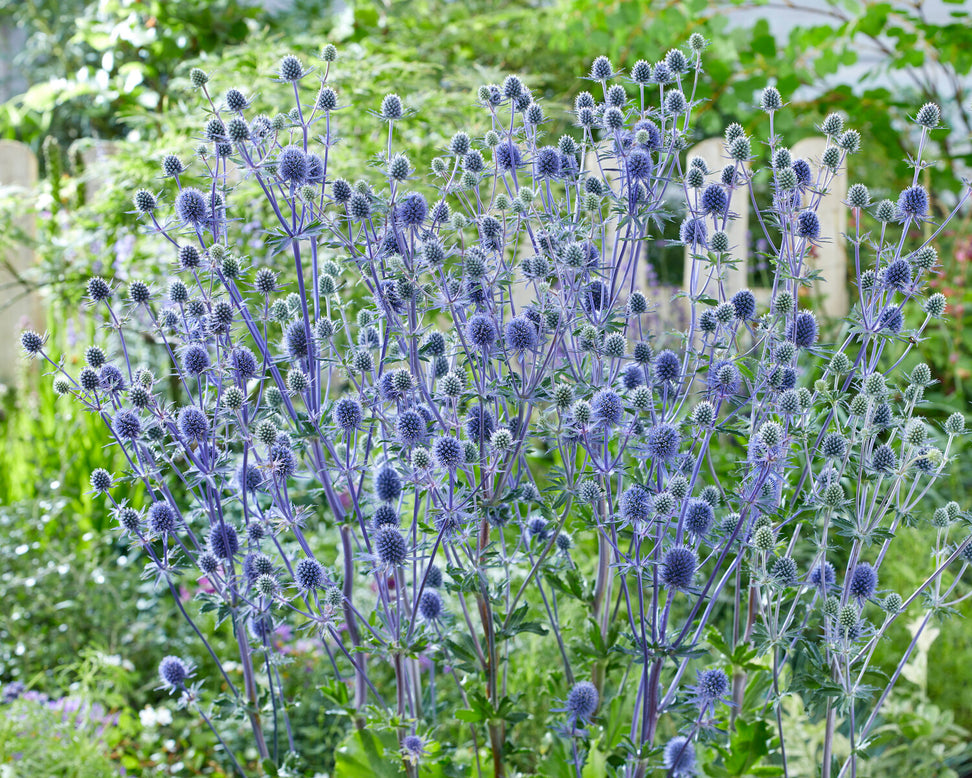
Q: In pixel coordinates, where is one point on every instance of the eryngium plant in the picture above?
(449, 439)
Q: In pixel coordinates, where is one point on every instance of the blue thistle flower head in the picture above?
(128, 425)
(190, 206)
(633, 376)
(582, 701)
(410, 427)
(679, 757)
(823, 576)
(635, 504)
(347, 414)
(223, 541)
(864, 581)
(714, 199)
(694, 233)
(808, 225)
(161, 519)
(891, 319)
(430, 605)
(174, 672)
(390, 546)
(913, 203)
(668, 367)
(309, 574)
(678, 568)
(608, 407)
(481, 331)
(448, 452)
(699, 517)
(547, 162)
(412, 210)
(711, 687)
(521, 334)
(602, 69)
(744, 305)
(193, 423)
(388, 484)
(897, 275)
(802, 331)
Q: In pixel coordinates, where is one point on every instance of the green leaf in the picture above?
(367, 754)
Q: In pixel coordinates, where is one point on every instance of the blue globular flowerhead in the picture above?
(430, 605)
(295, 339)
(698, 517)
(929, 115)
(480, 424)
(891, 319)
(392, 108)
(388, 484)
(802, 331)
(190, 206)
(633, 376)
(290, 68)
(31, 342)
(223, 541)
(413, 746)
(412, 210)
(110, 379)
(693, 233)
(864, 581)
(679, 755)
(390, 546)
(639, 165)
(663, 441)
(668, 367)
(803, 173)
(711, 687)
(292, 165)
(410, 427)
(883, 459)
(913, 202)
(128, 425)
(770, 99)
(784, 571)
(602, 69)
(744, 304)
(481, 331)
(582, 701)
(897, 275)
(714, 199)
(161, 519)
(608, 408)
(823, 576)
(595, 297)
(309, 574)
(347, 414)
(448, 452)
(193, 423)
(834, 446)
(385, 515)
(174, 672)
(101, 480)
(808, 225)
(521, 334)
(99, 289)
(547, 162)
(678, 568)
(195, 359)
(635, 504)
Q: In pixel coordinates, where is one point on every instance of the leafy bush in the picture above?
(451, 444)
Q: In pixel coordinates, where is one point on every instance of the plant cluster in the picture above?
(453, 436)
